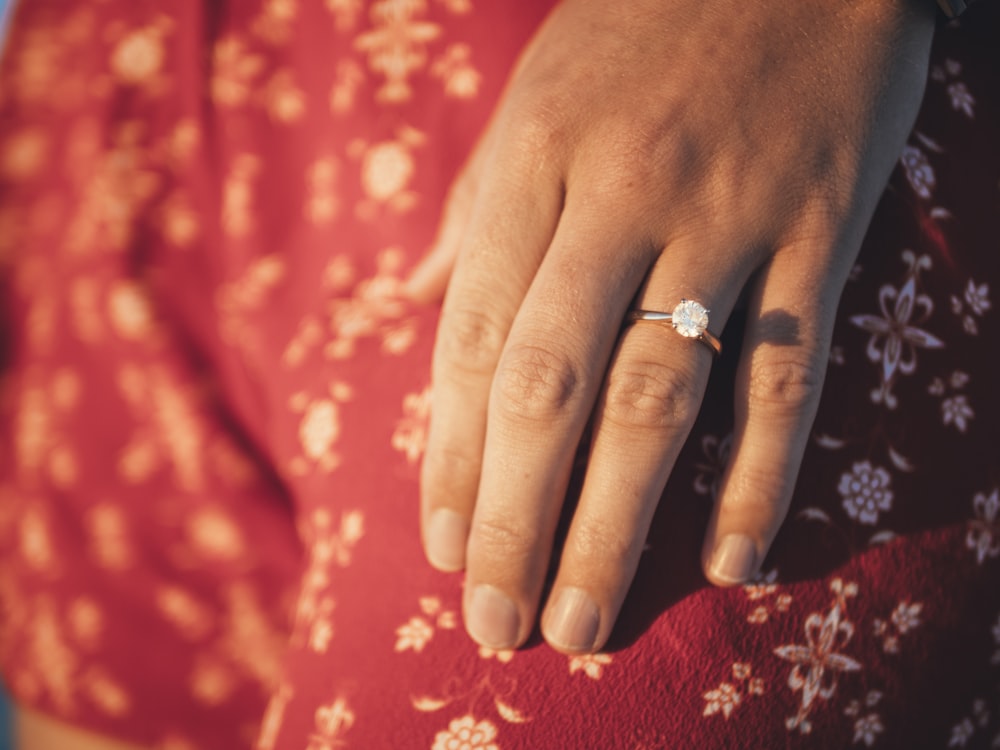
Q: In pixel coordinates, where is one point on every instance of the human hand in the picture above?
(648, 151)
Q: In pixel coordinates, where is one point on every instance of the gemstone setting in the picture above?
(690, 319)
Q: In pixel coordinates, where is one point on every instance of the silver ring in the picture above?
(689, 319)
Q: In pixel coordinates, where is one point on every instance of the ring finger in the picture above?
(651, 396)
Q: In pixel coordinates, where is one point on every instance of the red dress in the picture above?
(212, 412)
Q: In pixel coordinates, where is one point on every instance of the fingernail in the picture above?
(573, 621)
(734, 559)
(492, 618)
(446, 535)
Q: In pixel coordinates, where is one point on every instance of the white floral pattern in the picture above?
(504, 656)
(722, 699)
(410, 436)
(417, 632)
(867, 729)
(919, 171)
(818, 661)
(977, 297)
(591, 665)
(983, 536)
(466, 733)
(712, 467)
(332, 722)
(906, 616)
(955, 410)
(961, 733)
(973, 304)
(866, 492)
(414, 634)
(727, 696)
(764, 590)
(904, 619)
(968, 726)
(961, 99)
(903, 309)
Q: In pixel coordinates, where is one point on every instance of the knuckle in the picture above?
(598, 544)
(789, 384)
(450, 473)
(650, 395)
(537, 126)
(498, 537)
(761, 493)
(471, 342)
(532, 136)
(536, 383)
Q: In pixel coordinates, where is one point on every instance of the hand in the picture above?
(648, 151)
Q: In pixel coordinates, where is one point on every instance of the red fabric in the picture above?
(213, 413)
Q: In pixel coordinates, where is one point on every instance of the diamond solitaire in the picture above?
(690, 319)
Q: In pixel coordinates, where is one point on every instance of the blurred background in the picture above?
(5, 741)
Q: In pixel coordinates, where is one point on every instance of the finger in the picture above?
(651, 396)
(778, 386)
(429, 279)
(546, 384)
(508, 232)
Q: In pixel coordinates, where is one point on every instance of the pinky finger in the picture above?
(777, 393)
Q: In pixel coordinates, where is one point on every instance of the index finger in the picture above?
(507, 235)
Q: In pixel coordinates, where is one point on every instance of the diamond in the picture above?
(689, 319)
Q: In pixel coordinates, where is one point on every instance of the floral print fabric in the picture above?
(214, 407)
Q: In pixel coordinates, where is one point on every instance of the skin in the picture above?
(647, 151)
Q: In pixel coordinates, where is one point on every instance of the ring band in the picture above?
(689, 319)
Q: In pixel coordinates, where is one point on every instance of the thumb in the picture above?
(428, 280)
